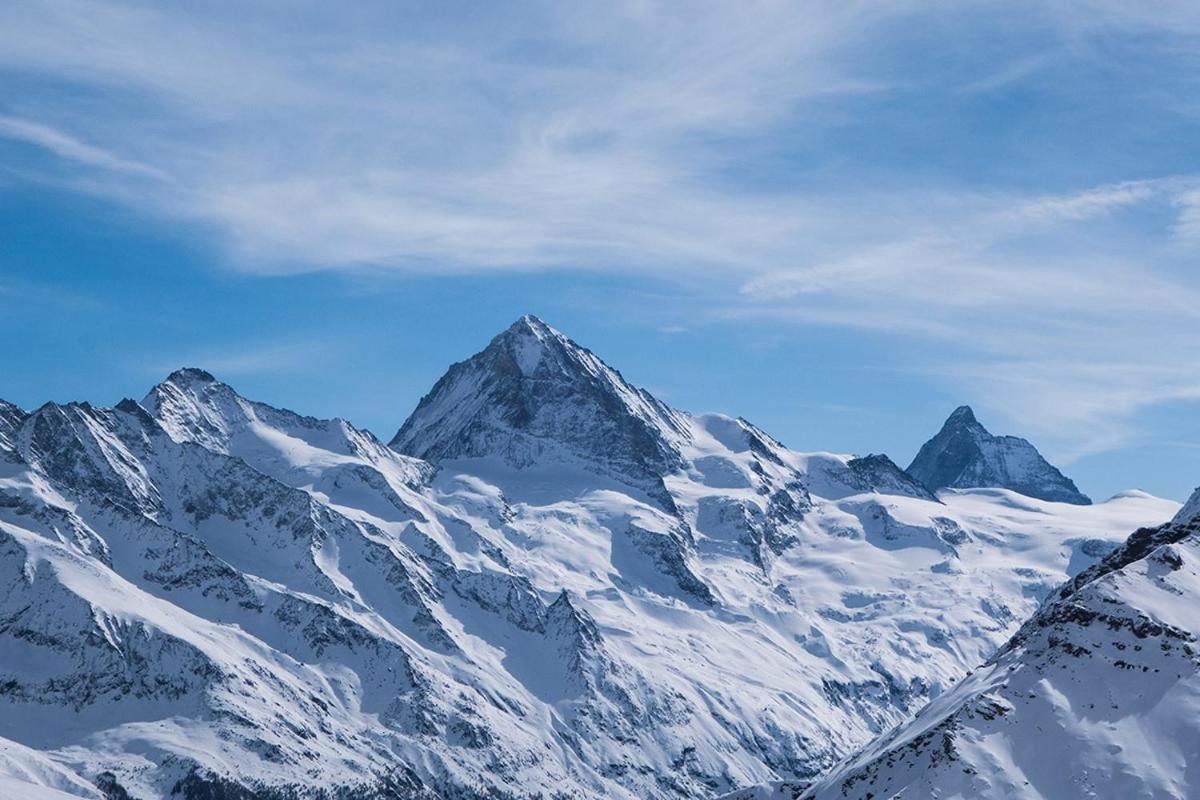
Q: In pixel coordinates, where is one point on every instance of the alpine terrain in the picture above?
(1098, 695)
(551, 584)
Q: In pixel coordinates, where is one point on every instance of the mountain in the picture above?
(1098, 695)
(963, 455)
(204, 596)
(533, 396)
(329, 458)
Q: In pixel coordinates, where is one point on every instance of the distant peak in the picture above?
(130, 406)
(964, 455)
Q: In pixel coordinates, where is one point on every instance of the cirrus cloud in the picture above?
(849, 164)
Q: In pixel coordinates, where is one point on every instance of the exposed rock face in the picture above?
(878, 473)
(963, 455)
(11, 418)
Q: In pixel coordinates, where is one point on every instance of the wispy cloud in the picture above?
(1187, 226)
(744, 150)
(70, 148)
(558, 139)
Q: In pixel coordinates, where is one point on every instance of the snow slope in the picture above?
(1097, 696)
(588, 594)
(964, 455)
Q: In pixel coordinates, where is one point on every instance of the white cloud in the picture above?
(1094, 202)
(68, 147)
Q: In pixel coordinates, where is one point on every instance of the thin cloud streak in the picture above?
(70, 148)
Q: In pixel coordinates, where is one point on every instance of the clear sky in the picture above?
(837, 219)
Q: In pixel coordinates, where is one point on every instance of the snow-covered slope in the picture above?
(963, 455)
(202, 594)
(26, 774)
(1097, 696)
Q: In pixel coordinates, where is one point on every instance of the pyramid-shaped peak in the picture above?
(530, 322)
(963, 415)
(529, 343)
(533, 396)
(964, 455)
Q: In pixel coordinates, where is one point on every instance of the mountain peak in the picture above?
(190, 376)
(531, 343)
(530, 322)
(532, 397)
(192, 405)
(963, 415)
(964, 455)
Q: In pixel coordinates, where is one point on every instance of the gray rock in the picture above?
(964, 455)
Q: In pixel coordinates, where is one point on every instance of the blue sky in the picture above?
(839, 220)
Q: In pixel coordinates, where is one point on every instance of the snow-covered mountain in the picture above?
(1098, 695)
(963, 455)
(561, 588)
(534, 397)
